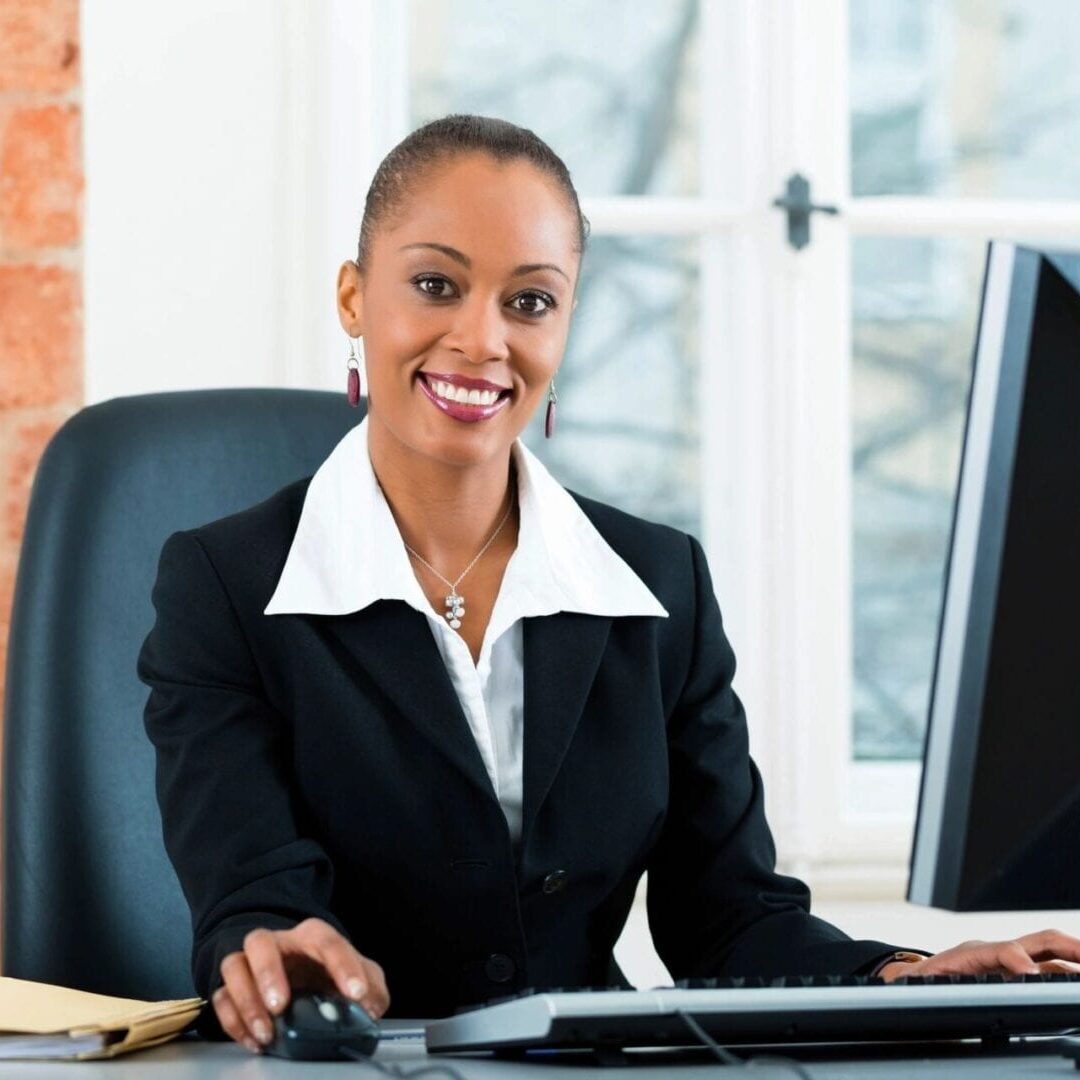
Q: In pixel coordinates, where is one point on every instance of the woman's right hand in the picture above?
(273, 963)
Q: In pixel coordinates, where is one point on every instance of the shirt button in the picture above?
(554, 882)
(499, 967)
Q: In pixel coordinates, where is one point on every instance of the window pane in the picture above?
(614, 93)
(627, 430)
(966, 97)
(915, 307)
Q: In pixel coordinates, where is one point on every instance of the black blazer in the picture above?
(321, 765)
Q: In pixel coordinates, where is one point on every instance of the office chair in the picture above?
(90, 898)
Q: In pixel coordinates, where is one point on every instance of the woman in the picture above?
(423, 719)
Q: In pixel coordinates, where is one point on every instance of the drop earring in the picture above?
(549, 417)
(353, 363)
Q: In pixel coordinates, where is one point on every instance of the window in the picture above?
(799, 409)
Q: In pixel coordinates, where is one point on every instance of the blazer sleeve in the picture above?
(716, 905)
(223, 772)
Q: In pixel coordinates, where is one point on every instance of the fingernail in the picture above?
(273, 998)
(253, 1046)
(262, 1032)
(371, 1012)
(355, 988)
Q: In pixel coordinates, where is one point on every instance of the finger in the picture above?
(267, 968)
(1057, 967)
(379, 996)
(241, 985)
(1051, 944)
(230, 1021)
(1014, 958)
(341, 961)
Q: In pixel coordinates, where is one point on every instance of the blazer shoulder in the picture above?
(274, 518)
(248, 547)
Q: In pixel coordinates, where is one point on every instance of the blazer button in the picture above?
(554, 882)
(499, 967)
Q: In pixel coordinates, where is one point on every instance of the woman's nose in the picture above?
(479, 330)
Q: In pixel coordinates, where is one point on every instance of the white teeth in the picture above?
(462, 396)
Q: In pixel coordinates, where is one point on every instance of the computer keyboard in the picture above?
(759, 1011)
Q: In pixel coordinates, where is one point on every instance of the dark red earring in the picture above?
(549, 418)
(354, 389)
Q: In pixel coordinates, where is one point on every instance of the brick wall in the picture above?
(41, 200)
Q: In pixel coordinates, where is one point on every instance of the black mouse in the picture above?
(315, 1024)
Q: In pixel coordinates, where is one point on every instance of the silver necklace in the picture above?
(455, 602)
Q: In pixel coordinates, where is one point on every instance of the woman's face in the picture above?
(469, 287)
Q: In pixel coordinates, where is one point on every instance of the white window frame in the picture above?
(775, 381)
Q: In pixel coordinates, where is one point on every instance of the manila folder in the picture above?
(38, 1020)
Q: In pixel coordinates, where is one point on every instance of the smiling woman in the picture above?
(462, 290)
(369, 783)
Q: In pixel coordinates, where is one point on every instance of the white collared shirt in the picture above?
(347, 553)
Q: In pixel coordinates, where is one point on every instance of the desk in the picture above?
(191, 1059)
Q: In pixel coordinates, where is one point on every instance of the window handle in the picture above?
(796, 201)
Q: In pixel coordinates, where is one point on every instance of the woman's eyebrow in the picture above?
(461, 257)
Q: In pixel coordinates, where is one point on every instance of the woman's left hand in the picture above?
(1045, 951)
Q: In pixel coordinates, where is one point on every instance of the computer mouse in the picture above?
(316, 1024)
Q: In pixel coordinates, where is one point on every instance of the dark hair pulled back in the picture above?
(438, 141)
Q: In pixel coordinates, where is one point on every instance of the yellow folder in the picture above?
(38, 1020)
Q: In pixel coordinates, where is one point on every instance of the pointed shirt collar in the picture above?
(347, 551)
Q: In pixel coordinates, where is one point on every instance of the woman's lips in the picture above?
(459, 410)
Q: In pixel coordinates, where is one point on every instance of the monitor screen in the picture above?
(999, 805)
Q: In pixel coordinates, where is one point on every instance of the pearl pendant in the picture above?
(456, 606)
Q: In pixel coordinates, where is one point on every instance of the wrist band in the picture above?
(903, 956)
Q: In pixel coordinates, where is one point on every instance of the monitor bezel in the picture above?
(966, 623)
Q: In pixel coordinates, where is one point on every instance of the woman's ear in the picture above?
(350, 298)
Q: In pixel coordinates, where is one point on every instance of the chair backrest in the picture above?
(90, 898)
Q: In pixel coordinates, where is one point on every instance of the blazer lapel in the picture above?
(392, 644)
(562, 655)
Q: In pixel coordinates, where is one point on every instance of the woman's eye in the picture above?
(430, 279)
(539, 303)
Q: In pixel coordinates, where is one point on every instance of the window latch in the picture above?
(796, 201)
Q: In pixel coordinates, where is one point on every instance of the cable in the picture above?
(397, 1070)
(726, 1057)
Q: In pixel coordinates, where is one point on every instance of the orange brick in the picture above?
(39, 45)
(25, 448)
(41, 177)
(8, 561)
(40, 335)
(7, 588)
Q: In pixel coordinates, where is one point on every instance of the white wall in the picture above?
(228, 147)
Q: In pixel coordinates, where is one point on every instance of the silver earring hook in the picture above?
(353, 360)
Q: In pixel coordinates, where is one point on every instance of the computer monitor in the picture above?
(999, 804)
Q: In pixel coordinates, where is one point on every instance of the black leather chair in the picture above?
(90, 898)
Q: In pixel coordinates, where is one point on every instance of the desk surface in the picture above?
(190, 1059)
